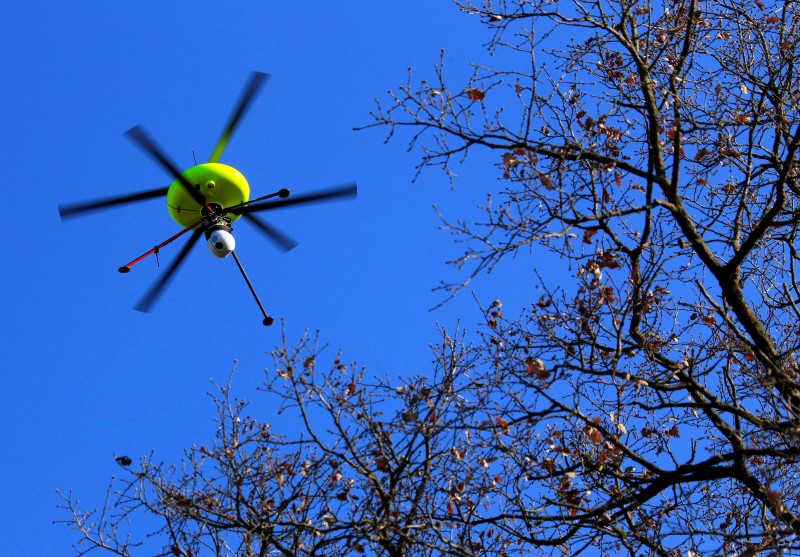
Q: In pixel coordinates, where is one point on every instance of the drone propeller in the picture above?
(140, 137)
(76, 209)
(155, 291)
(285, 242)
(257, 80)
(347, 190)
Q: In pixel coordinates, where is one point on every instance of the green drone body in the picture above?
(216, 182)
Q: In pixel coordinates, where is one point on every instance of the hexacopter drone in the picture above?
(205, 200)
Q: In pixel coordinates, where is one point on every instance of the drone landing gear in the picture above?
(150, 298)
(267, 319)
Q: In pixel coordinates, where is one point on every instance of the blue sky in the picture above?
(85, 375)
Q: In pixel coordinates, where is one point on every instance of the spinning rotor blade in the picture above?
(272, 233)
(75, 209)
(257, 80)
(155, 291)
(138, 135)
(347, 190)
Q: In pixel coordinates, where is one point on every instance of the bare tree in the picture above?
(646, 404)
(363, 477)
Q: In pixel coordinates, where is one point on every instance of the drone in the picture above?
(206, 200)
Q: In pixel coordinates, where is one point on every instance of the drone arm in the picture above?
(282, 193)
(155, 291)
(126, 268)
(267, 319)
(346, 190)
